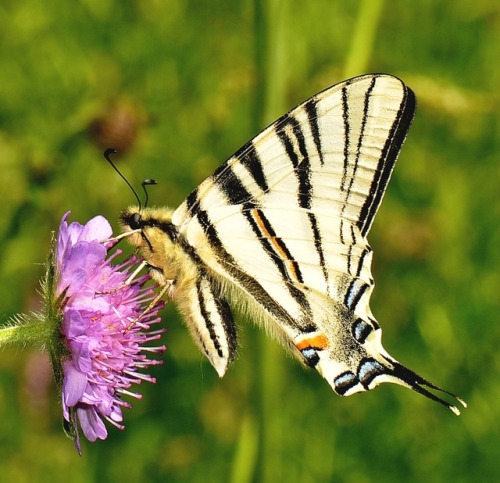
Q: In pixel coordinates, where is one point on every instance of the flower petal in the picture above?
(74, 384)
(98, 228)
(92, 425)
(73, 324)
(62, 239)
(79, 264)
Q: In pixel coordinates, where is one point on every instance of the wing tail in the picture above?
(406, 377)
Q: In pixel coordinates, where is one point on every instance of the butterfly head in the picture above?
(154, 235)
(133, 224)
(138, 219)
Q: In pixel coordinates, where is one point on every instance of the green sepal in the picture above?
(71, 429)
(53, 313)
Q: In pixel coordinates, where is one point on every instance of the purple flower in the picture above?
(105, 328)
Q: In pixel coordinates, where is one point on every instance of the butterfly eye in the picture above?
(135, 221)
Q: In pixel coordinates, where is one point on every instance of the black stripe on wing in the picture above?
(226, 179)
(388, 157)
(201, 290)
(192, 202)
(249, 158)
(354, 167)
(347, 135)
(230, 185)
(291, 136)
(208, 295)
(312, 116)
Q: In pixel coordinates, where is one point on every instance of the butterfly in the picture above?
(279, 231)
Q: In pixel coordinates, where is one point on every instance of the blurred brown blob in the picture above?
(117, 127)
(410, 238)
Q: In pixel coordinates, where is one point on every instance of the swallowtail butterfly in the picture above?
(280, 229)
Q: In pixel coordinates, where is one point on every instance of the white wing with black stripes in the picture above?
(280, 228)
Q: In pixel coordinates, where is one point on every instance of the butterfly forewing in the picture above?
(291, 209)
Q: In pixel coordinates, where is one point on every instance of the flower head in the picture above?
(105, 327)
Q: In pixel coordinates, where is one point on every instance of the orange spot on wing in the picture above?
(319, 341)
(275, 243)
(291, 268)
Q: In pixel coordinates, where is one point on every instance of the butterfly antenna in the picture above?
(107, 156)
(147, 182)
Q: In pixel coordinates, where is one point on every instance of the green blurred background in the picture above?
(178, 86)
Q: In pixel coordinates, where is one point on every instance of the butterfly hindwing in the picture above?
(209, 318)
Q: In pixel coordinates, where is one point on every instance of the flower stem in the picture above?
(32, 330)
